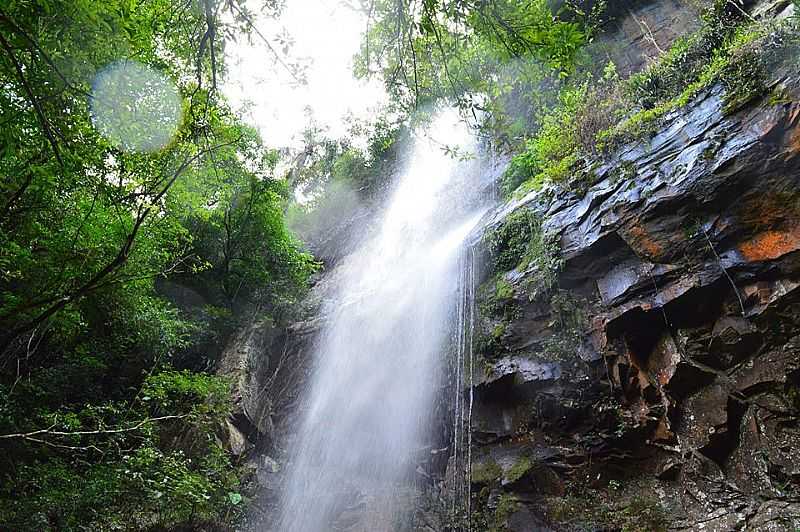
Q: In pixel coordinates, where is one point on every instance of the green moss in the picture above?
(486, 472)
(624, 171)
(487, 520)
(510, 241)
(779, 97)
(506, 505)
(592, 509)
(495, 299)
(520, 243)
(503, 290)
(584, 510)
(519, 469)
(644, 514)
(498, 331)
(488, 345)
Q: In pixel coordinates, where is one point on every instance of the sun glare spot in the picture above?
(135, 107)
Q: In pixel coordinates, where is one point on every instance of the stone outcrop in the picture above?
(658, 384)
(637, 32)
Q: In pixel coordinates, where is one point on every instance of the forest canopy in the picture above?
(143, 220)
(124, 172)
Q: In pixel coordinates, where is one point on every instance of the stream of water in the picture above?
(382, 354)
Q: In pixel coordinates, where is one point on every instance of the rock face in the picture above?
(269, 366)
(639, 31)
(658, 384)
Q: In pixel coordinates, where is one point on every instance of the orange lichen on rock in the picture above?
(794, 133)
(793, 143)
(643, 241)
(771, 244)
(770, 210)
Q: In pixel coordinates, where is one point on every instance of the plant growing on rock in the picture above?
(521, 243)
(592, 117)
(519, 469)
(486, 472)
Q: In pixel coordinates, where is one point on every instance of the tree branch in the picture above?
(50, 431)
(32, 97)
(120, 259)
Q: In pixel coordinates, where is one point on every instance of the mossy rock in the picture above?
(486, 472)
(520, 468)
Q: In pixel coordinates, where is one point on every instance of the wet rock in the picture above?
(524, 520)
(245, 361)
(703, 415)
(268, 473)
(685, 373)
(522, 370)
(775, 516)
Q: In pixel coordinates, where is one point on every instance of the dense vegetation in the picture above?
(497, 61)
(132, 243)
(107, 417)
(595, 114)
(534, 85)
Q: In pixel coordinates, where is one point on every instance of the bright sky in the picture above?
(327, 33)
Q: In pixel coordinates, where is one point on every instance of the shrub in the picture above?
(567, 132)
(521, 243)
(597, 116)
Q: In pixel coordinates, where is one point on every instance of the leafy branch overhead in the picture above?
(105, 399)
(475, 54)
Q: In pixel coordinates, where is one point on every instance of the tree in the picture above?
(121, 163)
(492, 59)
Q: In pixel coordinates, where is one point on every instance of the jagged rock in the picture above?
(522, 370)
(246, 361)
(775, 516)
(687, 377)
(235, 441)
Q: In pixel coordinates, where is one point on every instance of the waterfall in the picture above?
(382, 353)
(463, 371)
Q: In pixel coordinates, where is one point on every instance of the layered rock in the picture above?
(658, 384)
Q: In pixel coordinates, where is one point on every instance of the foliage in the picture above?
(99, 427)
(568, 131)
(336, 178)
(551, 153)
(521, 243)
(501, 59)
(723, 50)
(593, 117)
(105, 469)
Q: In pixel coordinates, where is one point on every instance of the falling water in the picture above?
(382, 353)
(463, 372)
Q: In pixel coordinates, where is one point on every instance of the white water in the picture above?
(384, 349)
(462, 378)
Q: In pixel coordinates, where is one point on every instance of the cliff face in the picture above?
(658, 383)
(655, 383)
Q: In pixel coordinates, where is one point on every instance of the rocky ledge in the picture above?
(656, 385)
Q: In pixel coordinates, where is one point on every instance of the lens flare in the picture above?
(135, 107)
